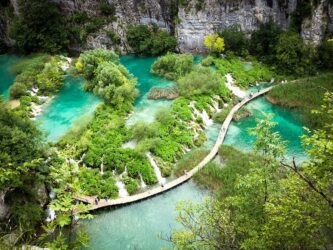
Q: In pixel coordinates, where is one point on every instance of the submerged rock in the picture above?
(163, 93)
(242, 113)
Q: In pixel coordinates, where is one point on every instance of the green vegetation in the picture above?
(94, 183)
(107, 77)
(202, 81)
(39, 27)
(149, 41)
(23, 172)
(27, 71)
(243, 78)
(214, 43)
(264, 201)
(190, 160)
(235, 40)
(294, 56)
(173, 66)
(304, 95)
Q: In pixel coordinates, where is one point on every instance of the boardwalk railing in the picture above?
(186, 176)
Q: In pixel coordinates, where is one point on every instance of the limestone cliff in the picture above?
(193, 19)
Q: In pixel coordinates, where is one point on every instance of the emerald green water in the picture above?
(6, 77)
(68, 106)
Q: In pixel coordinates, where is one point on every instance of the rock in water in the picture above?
(163, 93)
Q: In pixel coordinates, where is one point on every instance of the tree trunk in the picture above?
(4, 209)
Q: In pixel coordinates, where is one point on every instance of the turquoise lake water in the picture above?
(68, 106)
(138, 225)
(6, 77)
(145, 109)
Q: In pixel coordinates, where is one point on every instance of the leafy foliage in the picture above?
(173, 66)
(106, 77)
(214, 43)
(236, 67)
(94, 183)
(202, 81)
(235, 40)
(145, 40)
(39, 27)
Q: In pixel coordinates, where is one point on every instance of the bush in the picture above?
(208, 61)
(235, 40)
(51, 79)
(173, 66)
(149, 41)
(90, 60)
(200, 81)
(293, 56)
(130, 184)
(93, 183)
(264, 41)
(114, 37)
(107, 9)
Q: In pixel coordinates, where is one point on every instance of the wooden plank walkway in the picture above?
(157, 190)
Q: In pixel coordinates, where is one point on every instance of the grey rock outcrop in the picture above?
(190, 23)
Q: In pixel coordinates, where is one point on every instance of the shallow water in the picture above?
(71, 103)
(6, 77)
(137, 226)
(289, 126)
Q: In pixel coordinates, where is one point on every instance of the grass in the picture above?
(304, 95)
(189, 161)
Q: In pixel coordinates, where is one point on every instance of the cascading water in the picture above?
(142, 182)
(160, 179)
(235, 90)
(121, 189)
(204, 116)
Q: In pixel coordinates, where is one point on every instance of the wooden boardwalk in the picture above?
(157, 190)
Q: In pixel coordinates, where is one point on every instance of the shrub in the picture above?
(93, 183)
(114, 37)
(235, 40)
(173, 66)
(107, 9)
(149, 41)
(89, 61)
(208, 61)
(264, 41)
(293, 56)
(130, 184)
(200, 81)
(214, 43)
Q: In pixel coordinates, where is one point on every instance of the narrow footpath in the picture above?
(157, 190)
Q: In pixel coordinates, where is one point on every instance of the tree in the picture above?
(202, 80)
(65, 182)
(264, 41)
(235, 40)
(206, 226)
(39, 27)
(214, 43)
(145, 40)
(293, 56)
(173, 66)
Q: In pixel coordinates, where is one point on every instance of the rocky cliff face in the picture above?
(196, 18)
